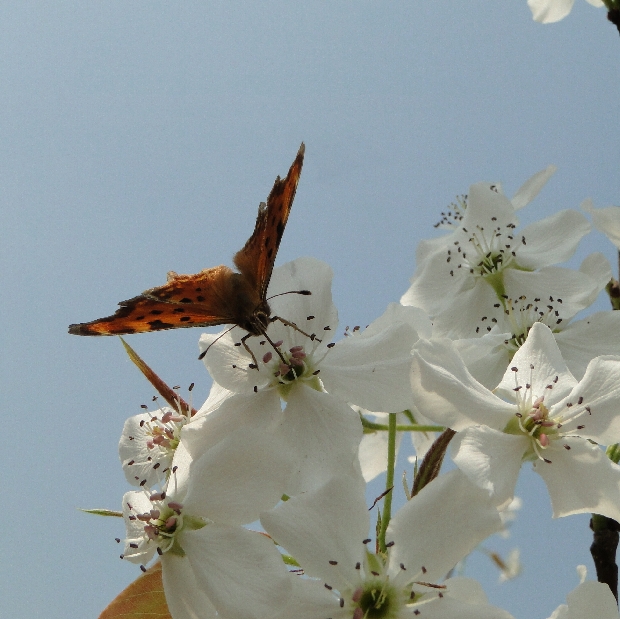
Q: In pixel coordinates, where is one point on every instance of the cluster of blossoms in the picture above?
(483, 343)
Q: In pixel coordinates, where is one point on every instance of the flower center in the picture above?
(375, 599)
(288, 367)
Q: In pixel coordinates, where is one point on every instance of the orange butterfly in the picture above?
(218, 295)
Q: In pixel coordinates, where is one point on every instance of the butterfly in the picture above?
(217, 295)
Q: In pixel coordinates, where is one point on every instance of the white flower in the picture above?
(208, 559)
(469, 280)
(539, 412)
(549, 11)
(487, 357)
(326, 531)
(607, 220)
(147, 446)
(317, 379)
(590, 599)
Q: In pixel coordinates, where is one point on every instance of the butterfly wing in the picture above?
(200, 300)
(255, 261)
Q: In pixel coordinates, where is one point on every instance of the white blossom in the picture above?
(539, 412)
(550, 11)
(327, 532)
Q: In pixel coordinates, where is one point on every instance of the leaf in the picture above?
(143, 598)
(102, 512)
(173, 398)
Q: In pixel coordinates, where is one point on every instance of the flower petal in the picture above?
(582, 341)
(185, 599)
(592, 599)
(580, 479)
(322, 434)
(607, 220)
(539, 364)
(324, 529)
(372, 371)
(549, 11)
(490, 459)
(445, 391)
(440, 526)
(552, 240)
(599, 391)
(235, 480)
(529, 190)
(241, 571)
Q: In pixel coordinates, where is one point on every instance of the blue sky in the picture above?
(138, 138)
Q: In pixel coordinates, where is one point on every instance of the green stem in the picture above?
(414, 427)
(389, 481)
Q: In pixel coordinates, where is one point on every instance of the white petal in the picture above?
(322, 434)
(580, 479)
(607, 220)
(372, 371)
(433, 286)
(592, 599)
(459, 603)
(600, 390)
(582, 341)
(549, 11)
(485, 205)
(414, 316)
(473, 314)
(567, 291)
(598, 268)
(136, 457)
(229, 364)
(445, 391)
(490, 459)
(185, 599)
(260, 410)
(529, 190)
(328, 524)
(486, 357)
(441, 525)
(304, 274)
(551, 240)
(311, 600)
(241, 572)
(235, 480)
(538, 362)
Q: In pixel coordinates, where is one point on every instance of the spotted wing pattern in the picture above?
(185, 301)
(255, 261)
(214, 296)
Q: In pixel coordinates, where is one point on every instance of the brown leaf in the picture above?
(144, 597)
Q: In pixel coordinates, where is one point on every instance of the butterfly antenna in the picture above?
(288, 323)
(204, 352)
(304, 292)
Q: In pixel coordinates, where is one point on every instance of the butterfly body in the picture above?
(217, 295)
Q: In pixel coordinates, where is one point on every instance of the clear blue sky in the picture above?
(136, 138)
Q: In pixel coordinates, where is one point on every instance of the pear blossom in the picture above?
(487, 357)
(539, 412)
(148, 444)
(316, 379)
(326, 531)
(550, 11)
(607, 220)
(469, 280)
(589, 599)
(209, 560)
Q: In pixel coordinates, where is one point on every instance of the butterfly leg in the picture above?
(253, 365)
(288, 323)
